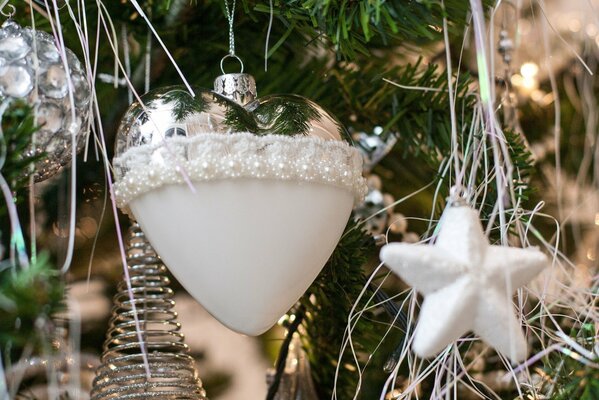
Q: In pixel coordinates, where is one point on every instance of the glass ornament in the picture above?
(244, 198)
(32, 70)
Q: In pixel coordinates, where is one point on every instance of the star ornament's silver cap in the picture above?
(241, 88)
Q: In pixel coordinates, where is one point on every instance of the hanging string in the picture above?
(32, 220)
(148, 62)
(141, 12)
(18, 250)
(57, 30)
(17, 240)
(230, 13)
(127, 56)
(458, 171)
(268, 36)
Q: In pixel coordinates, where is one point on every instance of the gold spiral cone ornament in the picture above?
(123, 374)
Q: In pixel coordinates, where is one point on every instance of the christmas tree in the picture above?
(462, 136)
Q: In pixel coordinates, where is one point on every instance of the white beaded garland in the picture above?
(210, 156)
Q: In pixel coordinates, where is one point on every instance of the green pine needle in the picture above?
(29, 297)
(18, 127)
(327, 304)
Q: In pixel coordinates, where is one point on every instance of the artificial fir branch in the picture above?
(29, 298)
(566, 376)
(327, 304)
(18, 127)
(355, 27)
(350, 27)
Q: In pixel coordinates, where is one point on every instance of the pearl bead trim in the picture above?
(210, 156)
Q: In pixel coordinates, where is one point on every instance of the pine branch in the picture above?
(355, 27)
(569, 377)
(327, 304)
(29, 297)
(18, 127)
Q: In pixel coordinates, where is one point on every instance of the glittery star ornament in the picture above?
(467, 284)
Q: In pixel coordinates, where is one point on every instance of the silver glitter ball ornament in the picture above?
(32, 70)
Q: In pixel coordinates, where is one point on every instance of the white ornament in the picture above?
(245, 248)
(467, 285)
(243, 202)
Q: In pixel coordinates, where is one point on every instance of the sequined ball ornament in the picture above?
(32, 69)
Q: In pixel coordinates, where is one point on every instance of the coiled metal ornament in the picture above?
(122, 374)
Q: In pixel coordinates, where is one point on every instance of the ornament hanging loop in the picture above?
(230, 12)
(11, 9)
(230, 56)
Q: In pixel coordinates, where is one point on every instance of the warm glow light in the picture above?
(517, 80)
(529, 70)
(527, 79)
(574, 25)
(597, 219)
(536, 95)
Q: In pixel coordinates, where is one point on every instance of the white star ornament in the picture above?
(467, 285)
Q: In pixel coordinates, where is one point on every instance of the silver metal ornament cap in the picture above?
(241, 88)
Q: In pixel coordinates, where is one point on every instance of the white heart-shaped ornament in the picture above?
(244, 199)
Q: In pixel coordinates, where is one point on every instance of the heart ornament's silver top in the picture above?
(174, 137)
(241, 88)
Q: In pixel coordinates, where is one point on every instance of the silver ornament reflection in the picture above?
(53, 376)
(32, 70)
(172, 136)
(173, 112)
(374, 147)
(376, 208)
(241, 88)
(296, 381)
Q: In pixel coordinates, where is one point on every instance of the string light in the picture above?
(527, 81)
(591, 255)
(529, 70)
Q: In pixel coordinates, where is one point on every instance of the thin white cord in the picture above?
(168, 53)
